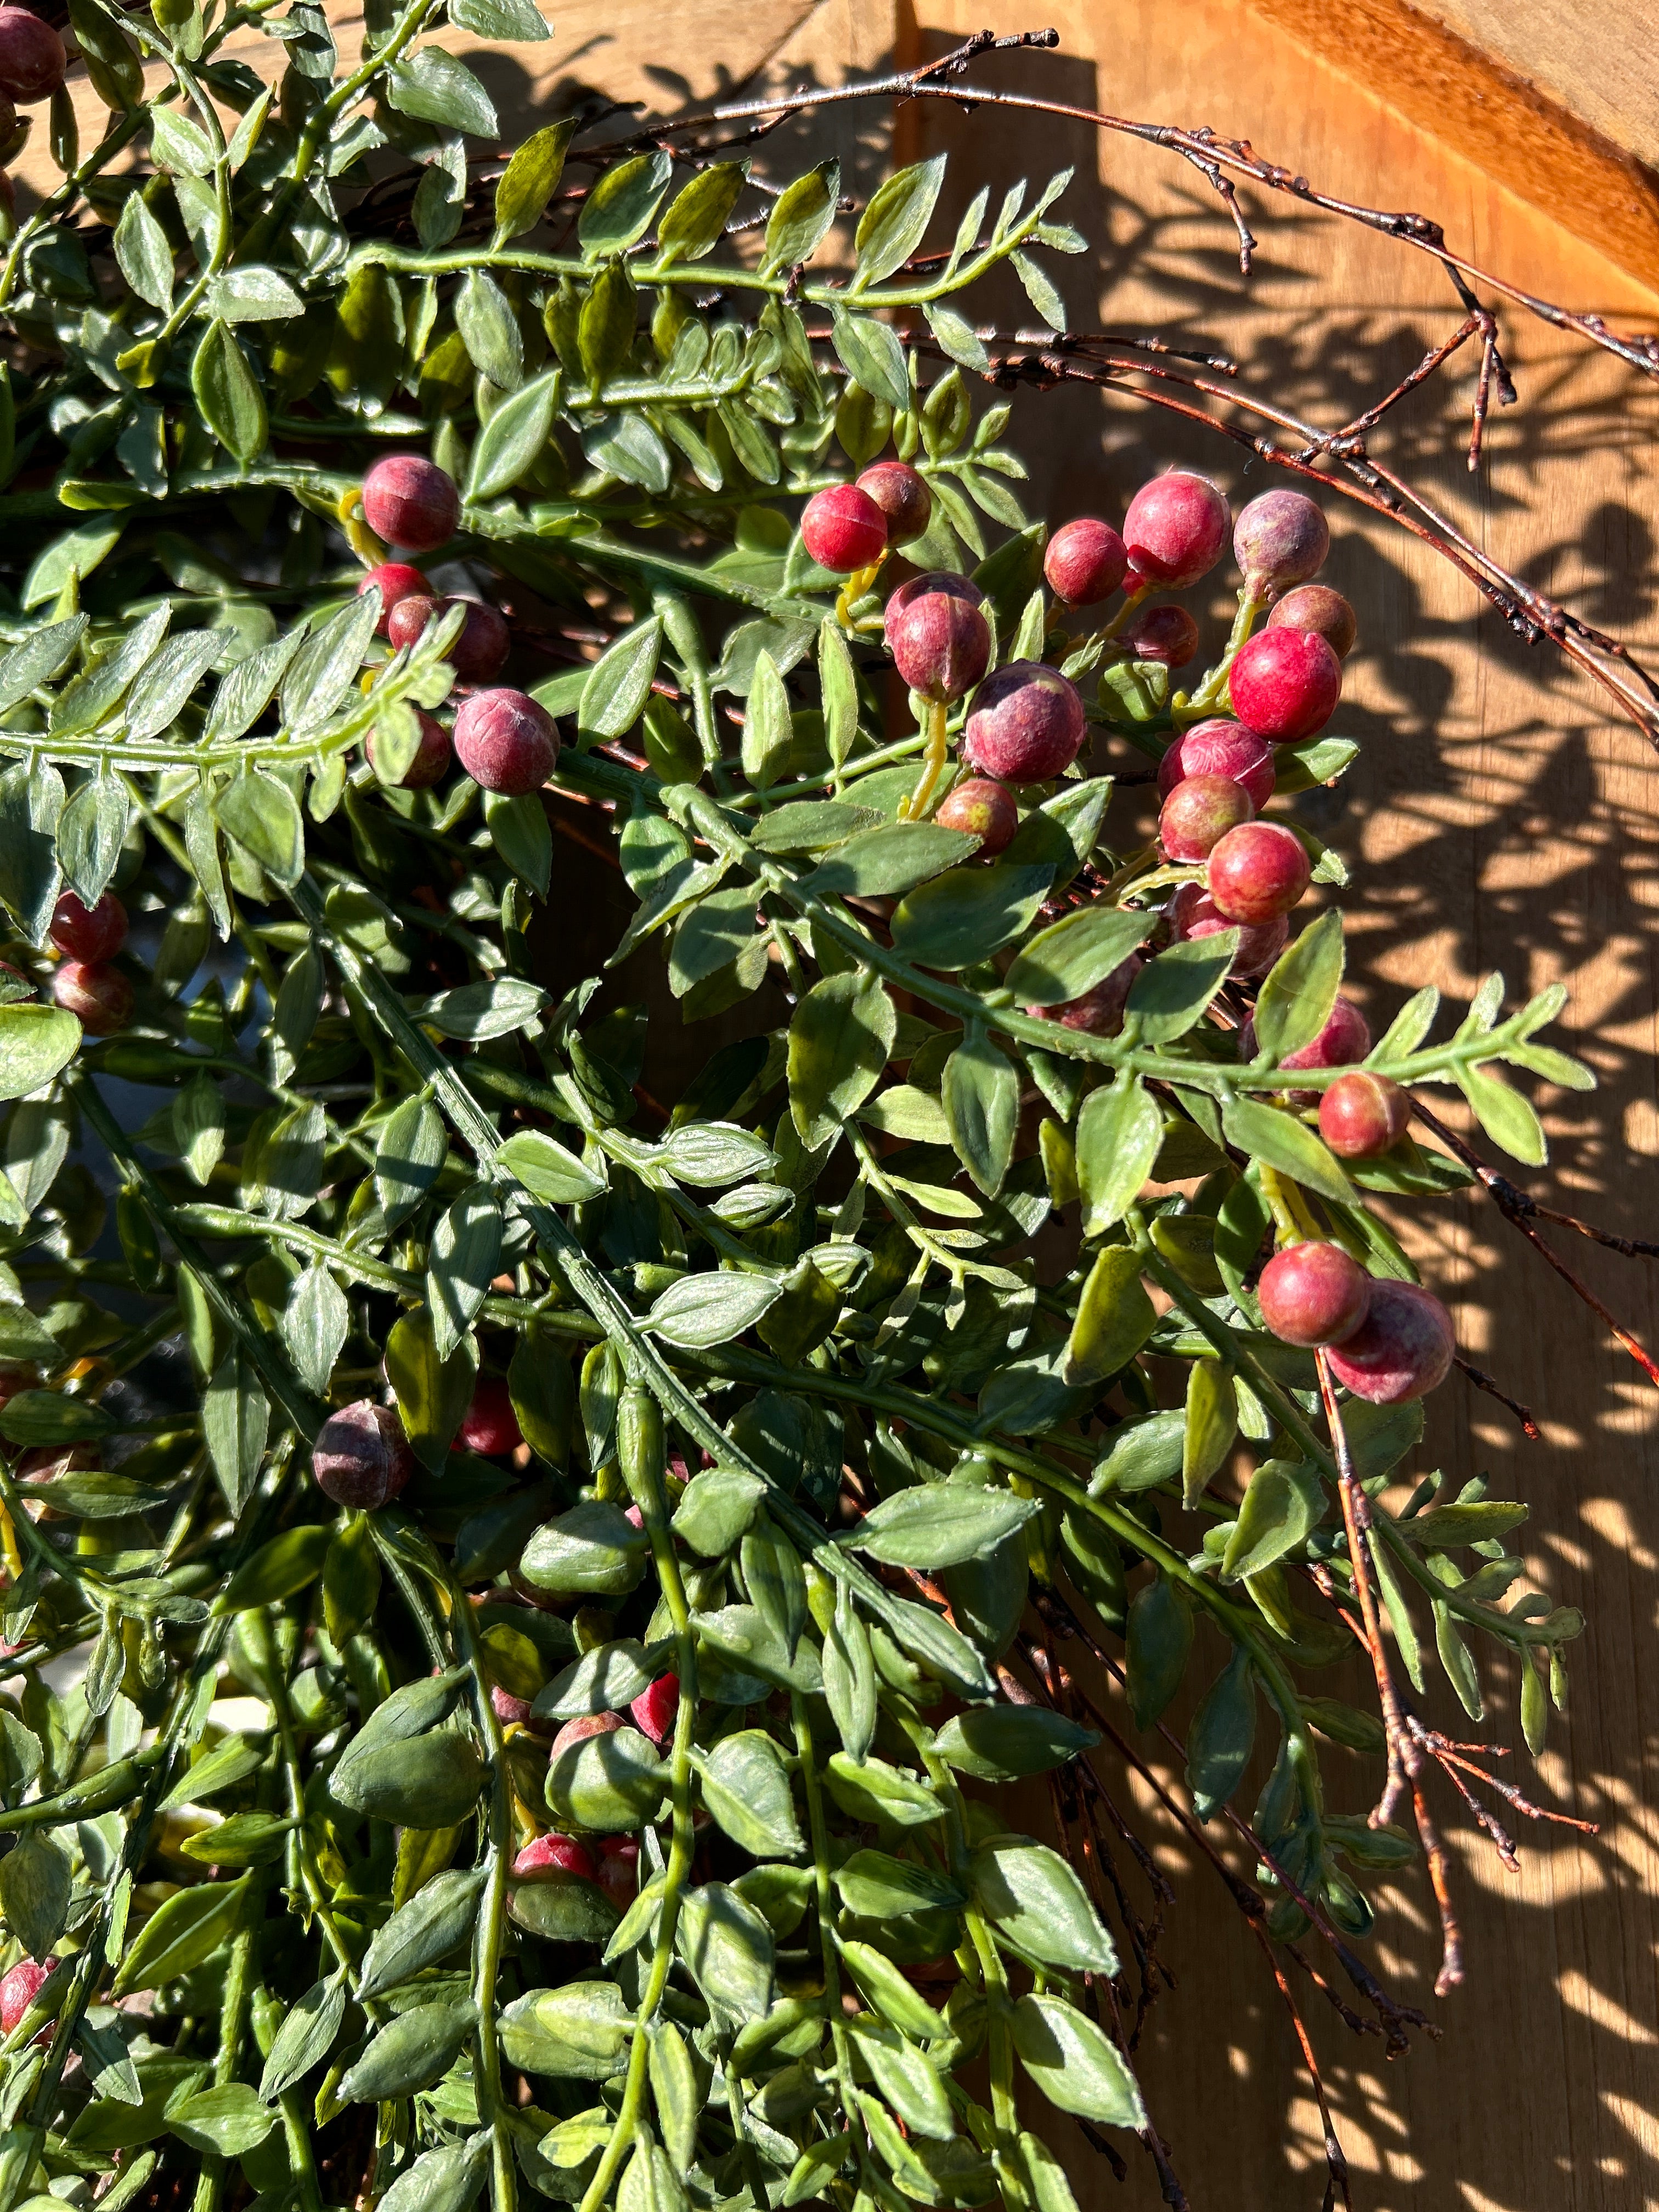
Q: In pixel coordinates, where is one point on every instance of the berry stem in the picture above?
(932, 762)
(1212, 690)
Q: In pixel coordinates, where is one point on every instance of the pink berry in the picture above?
(554, 1854)
(89, 933)
(102, 997)
(1345, 1037)
(479, 649)
(410, 501)
(1316, 607)
(938, 635)
(1313, 1294)
(1026, 725)
(361, 1457)
(431, 758)
(1084, 561)
(1176, 530)
(19, 1985)
(634, 1517)
(394, 580)
(903, 495)
(579, 1730)
(1258, 871)
(1403, 1349)
(653, 1711)
(1220, 748)
(1193, 912)
(490, 1426)
(843, 529)
(984, 809)
(32, 56)
(619, 1870)
(1168, 634)
(1199, 812)
(505, 742)
(1286, 683)
(1362, 1115)
(409, 618)
(1279, 539)
(1099, 1011)
(510, 1711)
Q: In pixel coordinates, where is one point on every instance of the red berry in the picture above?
(1345, 1037)
(554, 1854)
(984, 809)
(1199, 812)
(32, 56)
(1403, 1349)
(19, 1984)
(1193, 912)
(579, 1730)
(489, 1425)
(619, 1870)
(1084, 561)
(939, 639)
(510, 1711)
(361, 1457)
(476, 653)
(1175, 531)
(505, 742)
(903, 495)
(1258, 871)
(394, 580)
(410, 501)
(843, 529)
(1362, 1115)
(100, 996)
(84, 932)
(1279, 539)
(409, 618)
(1099, 1011)
(1314, 1294)
(1220, 748)
(1026, 725)
(431, 759)
(1316, 607)
(1286, 683)
(653, 1711)
(1168, 634)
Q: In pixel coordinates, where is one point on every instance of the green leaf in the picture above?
(839, 1040)
(442, 2181)
(407, 1156)
(939, 1524)
(518, 830)
(1040, 291)
(968, 914)
(513, 21)
(433, 1391)
(187, 1929)
(1455, 1658)
(1267, 1132)
(1284, 1503)
(880, 1793)
(142, 255)
(800, 218)
(236, 1420)
(44, 1417)
(1212, 1426)
(838, 684)
(715, 1508)
(577, 2032)
(1006, 1743)
(225, 2121)
(1170, 993)
(1507, 1118)
(699, 212)
(956, 336)
(603, 1680)
(728, 1948)
(430, 1781)
(768, 733)
(849, 1679)
(700, 1311)
(889, 1994)
(250, 295)
(1074, 2063)
(593, 1551)
(548, 1170)
(1160, 1636)
(279, 1569)
(874, 1885)
(37, 1043)
(435, 1921)
(35, 1883)
(305, 2038)
(1222, 1736)
(530, 179)
(1119, 1130)
(264, 817)
(1037, 1902)
(1295, 1002)
(227, 394)
(893, 858)
(514, 437)
(433, 87)
(622, 205)
(476, 1012)
(1072, 955)
(981, 1097)
(745, 1786)
(891, 227)
(873, 355)
(615, 694)
(315, 1323)
(462, 1260)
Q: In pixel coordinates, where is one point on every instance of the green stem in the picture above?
(817, 1829)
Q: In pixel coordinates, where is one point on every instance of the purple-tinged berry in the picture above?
(362, 1457)
(936, 632)
(843, 529)
(505, 742)
(410, 501)
(1084, 561)
(1026, 725)
(1403, 1349)
(1176, 531)
(1314, 1293)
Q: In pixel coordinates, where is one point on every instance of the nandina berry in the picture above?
(619, 1870)
(1362, 1115)
(431, 756)
(1279, 539)
(32, 56)
(479, 652)
(554, 1854)
(1026, 724)
(20, 1983)
(1168, 634)
(936, 632)
(1317, 608)
(1193, 912)
(1220, 748)
(984, 809)
(902, 494)
(843, 529)
(489, 1425)
(653, 1711)
(411, 501)
(361, 1457)
(1084, 561)
(89, 933)
(1286, 683)
(99, 996)
(395, 581)
(579, 1730)
(1314, 1293)
(1403, 1349)
(1099, 1011)
(1258, 871)
(1199, 812)
(1175, 531)
(505, 742)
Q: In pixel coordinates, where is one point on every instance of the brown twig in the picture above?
(1482, 1380)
